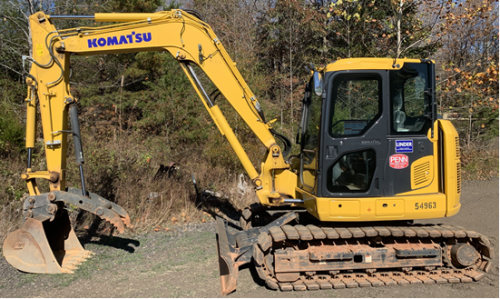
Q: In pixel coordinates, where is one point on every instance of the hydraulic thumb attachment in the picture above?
(237, 249)
(47, 243)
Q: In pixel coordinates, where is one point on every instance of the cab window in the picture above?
(357, 104)
(410, 106)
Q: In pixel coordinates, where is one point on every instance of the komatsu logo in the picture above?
(120, 40)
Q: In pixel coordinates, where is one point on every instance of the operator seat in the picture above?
(399, 116)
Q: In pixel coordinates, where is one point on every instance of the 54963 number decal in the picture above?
(425, 205)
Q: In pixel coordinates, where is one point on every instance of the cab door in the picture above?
(412, 111)
(354, 146)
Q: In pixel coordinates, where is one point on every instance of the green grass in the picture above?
(156, 256)
(26, 279)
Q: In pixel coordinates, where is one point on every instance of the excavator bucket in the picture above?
(45, 247)
(46, 243)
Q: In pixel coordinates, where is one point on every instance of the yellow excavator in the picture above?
(374, 156)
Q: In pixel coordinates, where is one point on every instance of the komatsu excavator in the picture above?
(374, 157)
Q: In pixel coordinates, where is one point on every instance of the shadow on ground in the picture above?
(92, 235)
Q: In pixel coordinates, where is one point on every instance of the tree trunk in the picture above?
(291, 74)
(398, 24)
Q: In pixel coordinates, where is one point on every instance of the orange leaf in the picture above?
(203, 220)
(174, 219)
(156, 229)
(459, 89)
(183, 214)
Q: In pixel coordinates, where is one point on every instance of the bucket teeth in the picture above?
(116, 222)
(78, 260)
(72, 264)
(74, 259)
(70, 267)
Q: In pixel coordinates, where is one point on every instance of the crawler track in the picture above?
(311, 258)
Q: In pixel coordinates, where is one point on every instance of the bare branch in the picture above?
(13, 50)
(19, 26)
(9, 68)
(412, 45)
(18, 7)
(31, 7)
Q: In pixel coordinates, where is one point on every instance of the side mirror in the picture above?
(318, 83)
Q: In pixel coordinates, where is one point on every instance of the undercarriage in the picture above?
(292, 255)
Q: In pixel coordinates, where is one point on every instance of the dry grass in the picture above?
(124, 173)
(480, 160)
(12, 191)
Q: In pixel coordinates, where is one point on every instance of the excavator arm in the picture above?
(47, 234)
(192, 42)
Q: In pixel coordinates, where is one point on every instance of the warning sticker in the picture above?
(39, 50)
(398, 161)
(404, 146)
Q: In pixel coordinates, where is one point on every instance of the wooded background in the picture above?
(139, 110)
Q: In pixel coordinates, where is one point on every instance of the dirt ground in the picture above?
(183, 263)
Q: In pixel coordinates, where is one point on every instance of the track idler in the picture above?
(47, 243)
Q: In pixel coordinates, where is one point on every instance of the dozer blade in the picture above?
(46, 243)
(228, 268)
(236, 249)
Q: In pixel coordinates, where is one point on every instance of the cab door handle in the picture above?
(332, 151)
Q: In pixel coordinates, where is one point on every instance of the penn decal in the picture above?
(133, 38)
(399, 161)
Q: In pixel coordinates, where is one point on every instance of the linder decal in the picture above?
(398, 161)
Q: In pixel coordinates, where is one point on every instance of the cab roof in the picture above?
(366, 63)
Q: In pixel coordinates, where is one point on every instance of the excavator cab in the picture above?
(369, 134)
(363, 112)
(373, 158)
